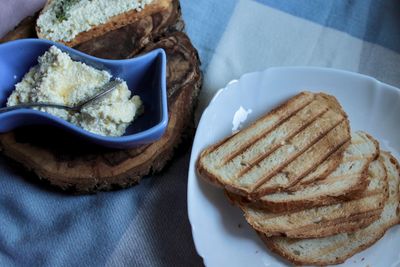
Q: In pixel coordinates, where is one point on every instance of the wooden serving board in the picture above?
(78, 167)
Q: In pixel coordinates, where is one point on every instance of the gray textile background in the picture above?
(161, 235)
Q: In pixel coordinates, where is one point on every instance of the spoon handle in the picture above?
(105, 89)
(38, 105)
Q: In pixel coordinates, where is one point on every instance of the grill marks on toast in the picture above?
(353, 152)
(350, 177)
(273, 141)
(260, 171)
(337, 248)
(322, 221)
(291, 124)
(229, 147)
(305, 185)
(351, 224)
(307, 161)
(322, 170)
(308, 123)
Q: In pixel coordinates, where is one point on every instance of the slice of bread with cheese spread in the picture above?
(337, 248)
(72, 22)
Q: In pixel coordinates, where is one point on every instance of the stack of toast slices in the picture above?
(315, 193)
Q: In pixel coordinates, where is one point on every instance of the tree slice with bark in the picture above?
(73, 165)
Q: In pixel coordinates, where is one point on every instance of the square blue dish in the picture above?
(145, 76)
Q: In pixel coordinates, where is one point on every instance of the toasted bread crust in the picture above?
(341, 225)
(203, 172)
(378, 234)
(315, 261)
(294, 205)
(276, 249)
(335, 158)
(113, 23)
(303, 99)
(134, 36)
(260, 192)
(325, 221)
(396, 163)
(333, 103)
(345, 224)
(297, 205)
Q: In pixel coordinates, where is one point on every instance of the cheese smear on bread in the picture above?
(60, 80)
(63, 20)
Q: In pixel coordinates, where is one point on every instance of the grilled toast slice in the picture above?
(337, 248)
(347, 181)
(294, 137)
(62, 28)
(328, 220)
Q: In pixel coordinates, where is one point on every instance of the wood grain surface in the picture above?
(78, 167)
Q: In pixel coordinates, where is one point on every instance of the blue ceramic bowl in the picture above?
(145, 76)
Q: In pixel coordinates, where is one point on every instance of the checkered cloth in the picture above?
(147, 225)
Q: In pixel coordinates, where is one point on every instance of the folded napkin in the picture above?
(147, 225)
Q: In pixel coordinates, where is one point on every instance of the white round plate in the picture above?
(221, 235)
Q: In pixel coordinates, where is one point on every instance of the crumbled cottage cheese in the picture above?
(65, 19)
(60, 80)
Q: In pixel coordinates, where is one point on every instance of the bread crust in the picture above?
(215, 180)
(113, 23)
(253, 194)
(258, 194)
(344, 224)
(274, 248)
(133, 37)
(348, 220)
(210, 177)
(294, 205)
(336, 158)
(272, 245)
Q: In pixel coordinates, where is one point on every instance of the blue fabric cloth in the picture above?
(147, 225)
(206, 21)
(370, 20)
(375, 21)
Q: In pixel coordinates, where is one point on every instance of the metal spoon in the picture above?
(105, 89)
